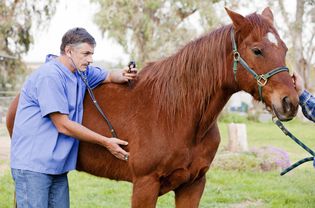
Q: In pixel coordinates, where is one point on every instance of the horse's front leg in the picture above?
(190, 195)
(145, 192)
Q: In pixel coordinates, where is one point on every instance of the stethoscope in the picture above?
(83, 76)
(81, 73)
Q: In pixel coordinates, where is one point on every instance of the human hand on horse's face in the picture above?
(113, 145)
(121, 76)
(298, 82)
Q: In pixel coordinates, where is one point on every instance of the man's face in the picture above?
(82, 55)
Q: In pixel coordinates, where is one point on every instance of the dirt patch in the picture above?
(4, 153)
(248, 204)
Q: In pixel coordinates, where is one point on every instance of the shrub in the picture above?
(258, 159)
(236, 161)
(272, 158)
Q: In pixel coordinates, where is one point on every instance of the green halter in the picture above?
(262, 79)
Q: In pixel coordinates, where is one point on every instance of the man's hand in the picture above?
(298, 82)
(121, 76)
(73, 129)
(113, 145)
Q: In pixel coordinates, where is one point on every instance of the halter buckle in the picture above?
(236, 56)
(261, 80)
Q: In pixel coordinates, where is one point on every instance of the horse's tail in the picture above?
(11, 114)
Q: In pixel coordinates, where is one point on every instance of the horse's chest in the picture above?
(188, 168)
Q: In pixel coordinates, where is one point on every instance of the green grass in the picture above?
(224, 188)
(265, 189)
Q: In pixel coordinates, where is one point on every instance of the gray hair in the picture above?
(76, 36)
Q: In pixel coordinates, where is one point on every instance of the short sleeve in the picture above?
(51, 96)
(96, 76)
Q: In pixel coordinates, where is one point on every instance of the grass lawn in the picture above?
(224, 188)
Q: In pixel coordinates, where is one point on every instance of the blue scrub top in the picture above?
(36, 144)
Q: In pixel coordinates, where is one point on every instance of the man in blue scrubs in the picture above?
(47, 126)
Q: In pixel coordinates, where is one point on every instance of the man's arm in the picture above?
(70, 128)
(121, 76)
(306, 100)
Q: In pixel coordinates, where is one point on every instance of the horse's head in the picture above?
(259, 63)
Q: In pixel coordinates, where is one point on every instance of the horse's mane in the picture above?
(196, 71)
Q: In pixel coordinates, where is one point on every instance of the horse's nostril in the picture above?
(286, 103)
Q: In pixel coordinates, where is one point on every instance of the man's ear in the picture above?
(68, 51)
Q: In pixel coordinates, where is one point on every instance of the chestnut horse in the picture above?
(169, 116)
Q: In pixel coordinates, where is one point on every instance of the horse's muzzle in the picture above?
(287, 111)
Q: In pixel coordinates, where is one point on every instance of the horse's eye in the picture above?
(257, 51)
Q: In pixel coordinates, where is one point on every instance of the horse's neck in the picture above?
(194, 80)
(187, 93)
(214, 108)
(189, 113)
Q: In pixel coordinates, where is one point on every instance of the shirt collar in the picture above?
(53, 59)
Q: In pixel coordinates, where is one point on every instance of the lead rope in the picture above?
(296, 140)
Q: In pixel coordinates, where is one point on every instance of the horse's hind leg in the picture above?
(190, 195)
(145, 192)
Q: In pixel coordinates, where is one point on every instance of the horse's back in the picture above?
(11, 114)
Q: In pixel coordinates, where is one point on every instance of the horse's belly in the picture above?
(97, 161)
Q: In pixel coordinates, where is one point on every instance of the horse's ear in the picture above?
(267, 13)
(237, 19)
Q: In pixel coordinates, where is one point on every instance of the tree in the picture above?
(17, 17)
(151, 29)
(301, 32)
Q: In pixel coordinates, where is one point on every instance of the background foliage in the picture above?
(151, 29)
(17, 17)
